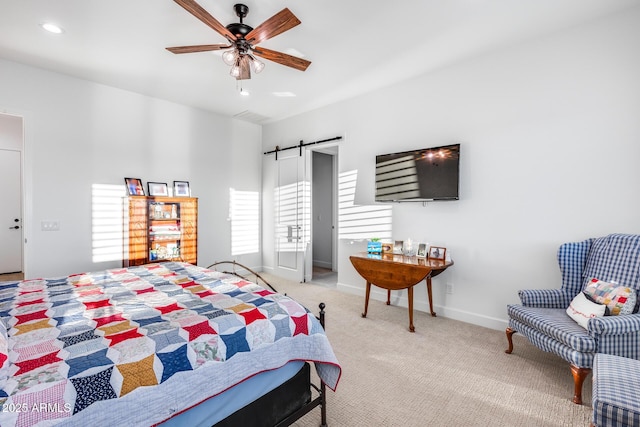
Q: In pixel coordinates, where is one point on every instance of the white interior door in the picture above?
(292, 199)
(10, 212)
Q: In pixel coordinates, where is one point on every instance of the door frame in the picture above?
(25, 218)
(332, 149)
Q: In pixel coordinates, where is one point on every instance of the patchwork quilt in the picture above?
(136, 346)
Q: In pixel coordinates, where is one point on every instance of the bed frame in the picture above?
(291, 400)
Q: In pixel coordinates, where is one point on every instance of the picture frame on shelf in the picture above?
(181, 189)
(398, 247)
(134, 186)
(437, 252)
(158, 189)
(422, 250)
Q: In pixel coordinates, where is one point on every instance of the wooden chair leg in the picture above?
(509, 333)
(579, 374)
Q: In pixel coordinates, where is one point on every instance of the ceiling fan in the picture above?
(242, 40)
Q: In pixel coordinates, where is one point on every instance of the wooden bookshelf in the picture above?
(160, 229)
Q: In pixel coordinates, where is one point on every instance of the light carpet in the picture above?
(447, 373)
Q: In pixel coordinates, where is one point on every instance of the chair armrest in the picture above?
(615, 325)
(618, 335)
(545, 298)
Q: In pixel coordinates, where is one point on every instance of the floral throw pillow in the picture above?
(619, 299)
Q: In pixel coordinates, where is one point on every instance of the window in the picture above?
(244, 209)
(106, 222)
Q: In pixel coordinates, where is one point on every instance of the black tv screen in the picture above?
(419, 175)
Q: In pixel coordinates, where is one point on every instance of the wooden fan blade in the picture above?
(278, 23)
(245, 69)
(196, 10)
(282, 58)
(198, 48)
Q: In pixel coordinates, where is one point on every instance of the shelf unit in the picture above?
(160, 229)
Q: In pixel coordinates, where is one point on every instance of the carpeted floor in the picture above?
(447, 373)
(324, 276)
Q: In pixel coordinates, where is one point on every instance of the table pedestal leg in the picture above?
(433, 313)
(410, 296)
(366, 299)
(388, 296)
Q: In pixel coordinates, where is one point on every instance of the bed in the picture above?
(166, 344)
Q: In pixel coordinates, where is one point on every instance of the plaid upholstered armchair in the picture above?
(543, 316)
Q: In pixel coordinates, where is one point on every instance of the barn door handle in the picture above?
(14, 228)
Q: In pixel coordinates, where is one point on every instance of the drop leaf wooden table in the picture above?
(395, 272)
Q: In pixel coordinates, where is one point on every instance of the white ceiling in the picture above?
(354, 46)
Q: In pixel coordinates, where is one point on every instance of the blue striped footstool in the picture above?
(616, 391)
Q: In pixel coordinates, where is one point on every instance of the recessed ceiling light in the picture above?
(52, 28)
(284, 94)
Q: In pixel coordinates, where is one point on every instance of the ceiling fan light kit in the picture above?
(243, 40)
(229, 57)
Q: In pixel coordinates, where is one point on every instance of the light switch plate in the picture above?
(50, 226)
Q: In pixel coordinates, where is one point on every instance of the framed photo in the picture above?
(158, 189)
(134, 186)
(181, 189)
(387, 247)
(398, 247)
(437, 252)
(422, 250)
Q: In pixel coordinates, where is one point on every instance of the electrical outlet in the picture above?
(450, 288)
(50, 226)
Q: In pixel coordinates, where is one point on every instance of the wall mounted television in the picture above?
(419, 175)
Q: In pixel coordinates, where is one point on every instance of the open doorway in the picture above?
(323, 213)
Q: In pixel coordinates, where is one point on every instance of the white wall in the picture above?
(79, 133)
(11, 132)
(550, 146)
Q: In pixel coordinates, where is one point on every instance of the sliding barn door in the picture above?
(292, 221)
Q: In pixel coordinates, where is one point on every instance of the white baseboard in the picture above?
(379, 294)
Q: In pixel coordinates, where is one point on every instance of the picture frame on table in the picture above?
(134, 186)
(181, 189)
(387, 247)
(158, 189)
(437, 252)
(422, 250)
(398, 247)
